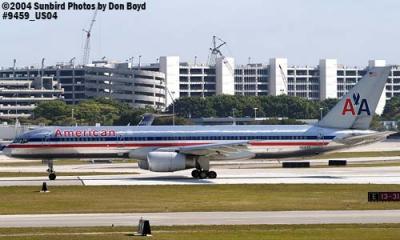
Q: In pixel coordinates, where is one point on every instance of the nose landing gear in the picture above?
(50, 170)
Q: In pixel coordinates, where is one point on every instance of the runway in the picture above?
(336, 175)
(202, 218)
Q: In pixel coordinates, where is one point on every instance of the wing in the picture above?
(217, 150)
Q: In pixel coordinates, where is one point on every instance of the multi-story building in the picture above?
(18, 98)
(139, 88)
(251, 80)
(326, 80)
(22, 89)
(157, 84)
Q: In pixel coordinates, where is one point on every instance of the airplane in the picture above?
(175, 148)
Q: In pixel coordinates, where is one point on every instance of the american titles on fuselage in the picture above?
(85, 133)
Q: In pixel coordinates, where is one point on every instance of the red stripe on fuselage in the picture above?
(72, 145)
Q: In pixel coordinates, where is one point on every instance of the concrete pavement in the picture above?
(202, 218)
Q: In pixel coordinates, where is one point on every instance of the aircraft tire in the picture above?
(203, 174)
(212, 174)
(52, 176)
(195, 173)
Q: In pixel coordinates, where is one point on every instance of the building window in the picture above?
(183, 71)
(350, 73)
(262, 71)
(209, 71)
(196, 71)
(238, 71)
(301, 72)
(209, 86)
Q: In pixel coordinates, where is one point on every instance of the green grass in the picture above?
(267, 232)
(45, 174)
(255, 197)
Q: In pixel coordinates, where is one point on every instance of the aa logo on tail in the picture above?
(350, 106)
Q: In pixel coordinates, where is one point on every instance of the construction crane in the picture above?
(215, 52)
(285, 82)
(72, 61)
(217, 43)
(86, 49)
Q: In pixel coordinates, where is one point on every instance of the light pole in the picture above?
(73, 116)
(14, 64)
(140, 57)
(172, 96)
(255, 113)
(320, 113)
(16, 108)
(173, 108)
(233, 116)
(131, 60)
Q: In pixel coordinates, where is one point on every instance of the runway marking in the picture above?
(80, 179)
(347, 175)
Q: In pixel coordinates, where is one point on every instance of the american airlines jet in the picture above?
(174, 148)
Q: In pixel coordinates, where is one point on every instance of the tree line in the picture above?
(247, 106)
(112, 112)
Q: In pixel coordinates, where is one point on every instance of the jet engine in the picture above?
(167, 162)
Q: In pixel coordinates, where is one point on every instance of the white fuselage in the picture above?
(137, 141)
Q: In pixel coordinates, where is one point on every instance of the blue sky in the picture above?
(304, 31)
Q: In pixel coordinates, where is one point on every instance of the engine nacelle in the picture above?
(143, 164)
(167, 162)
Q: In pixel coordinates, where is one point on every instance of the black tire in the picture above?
(52, 176)
(203, 174)
(195, 173)
(212, 174)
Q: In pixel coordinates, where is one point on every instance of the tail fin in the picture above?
(356, 109)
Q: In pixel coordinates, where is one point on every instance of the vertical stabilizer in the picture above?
(356, 109)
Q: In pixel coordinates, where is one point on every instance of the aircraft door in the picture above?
(120, 141)
(46, 140)
(320, 137)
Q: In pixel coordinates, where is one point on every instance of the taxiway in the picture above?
(334, 175)
(202, 218)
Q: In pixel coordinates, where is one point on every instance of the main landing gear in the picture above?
(202, 170)
(50, 170)
(201, 174)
